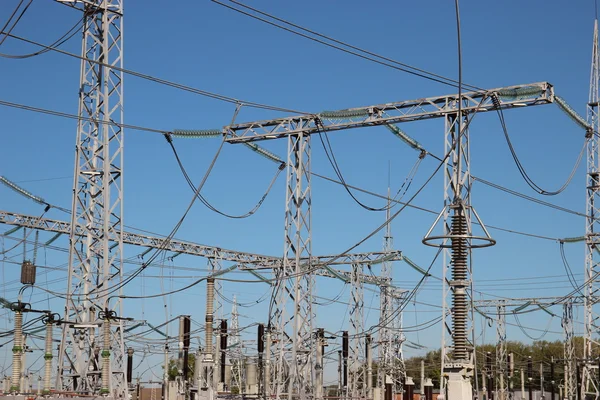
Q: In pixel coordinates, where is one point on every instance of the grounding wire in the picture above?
(356, 51)
(180, 86)
(203, 199)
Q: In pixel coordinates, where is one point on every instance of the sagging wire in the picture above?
(57, 43)
(521, 168)
(568, 269)
(203, 199)
(528, 335)
(333, 161)
(109, 290)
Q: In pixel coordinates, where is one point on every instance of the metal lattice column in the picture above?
(456, 332)
(357, 349)
(590, 384)
(570, 379)
(295, 374)
(385, 310)
(95, 267)
(235, 352)
(501, 353)
(398, 369)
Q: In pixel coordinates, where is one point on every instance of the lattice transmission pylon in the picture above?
(92, 354)
(590, 386)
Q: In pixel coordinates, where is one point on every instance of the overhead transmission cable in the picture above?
(333, 161)
(165, 82)
(342, 46)
(520, 166)
(6, 33)
(203, 199)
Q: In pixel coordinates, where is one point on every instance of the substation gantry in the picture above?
(295, 355)
(504, 378)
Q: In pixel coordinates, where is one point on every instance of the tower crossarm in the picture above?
(528, 301)
(391, 113)
(249, 260)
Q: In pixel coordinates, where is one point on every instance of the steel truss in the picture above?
(95, 268)
(501, 353)
(590, 386)
(357, 367)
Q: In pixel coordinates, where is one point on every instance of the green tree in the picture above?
(173, 370)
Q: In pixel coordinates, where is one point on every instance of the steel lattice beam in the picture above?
(389, 113)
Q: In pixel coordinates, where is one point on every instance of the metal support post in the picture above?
(570, 380)
(369, 356)
(345, 386)
(590, 374)
(530, 377)
(296, 329)
(501, 360)
(319, 364)
(357, 350)
(97, 208)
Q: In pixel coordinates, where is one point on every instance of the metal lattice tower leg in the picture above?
(457, 185)
(385, 311)
(295, 374)
(236, 355)
(570, 379)
(457, 242)
(95, 267)
(590, 384)
(357, 350)
(398, 369)
(501, 353)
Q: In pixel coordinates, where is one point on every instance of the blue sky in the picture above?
(204, 45)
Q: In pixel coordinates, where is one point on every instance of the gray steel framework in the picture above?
(570, 379)
(235, 351)
(390, 113)
(246, 261)
(357, 362)
(295, 281)
(590, 380)
(386, 345)
(95, 267)
(501, 353)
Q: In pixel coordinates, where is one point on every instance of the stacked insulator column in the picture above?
(459, 278)
(17, 350)
(106, 357)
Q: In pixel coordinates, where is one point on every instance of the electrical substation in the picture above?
(90, 333)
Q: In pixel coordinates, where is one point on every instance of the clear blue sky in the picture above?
(204, 45)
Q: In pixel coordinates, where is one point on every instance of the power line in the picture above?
(355, 51)
(180, 86)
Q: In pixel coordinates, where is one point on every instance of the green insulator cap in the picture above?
(105, 353)
(48, 356)
(104, 391)
(17, 349)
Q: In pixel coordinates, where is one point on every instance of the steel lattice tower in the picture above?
(357, 372)
(236, 355)
(95, 267)
(397, 368)
(385, 309)
(295, 374)
(501, 352)
(457, 187)
(570, 379)
(590, 384)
